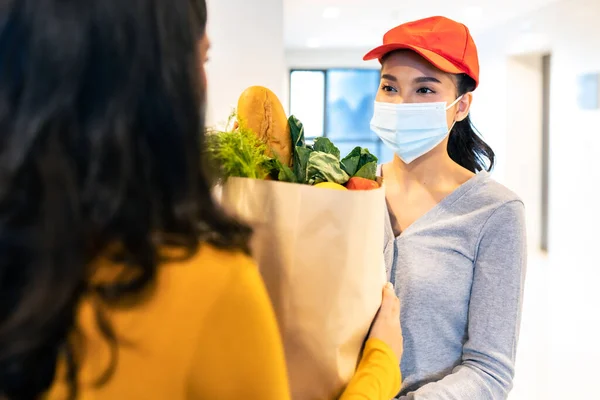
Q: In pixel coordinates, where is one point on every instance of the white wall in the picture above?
(328, 58)
(247, 50)
(523, 141)
(570, 31)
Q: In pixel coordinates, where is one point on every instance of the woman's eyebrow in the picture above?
(426, 79)
(421, 79)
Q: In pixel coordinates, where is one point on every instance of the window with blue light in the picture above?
(338, 104)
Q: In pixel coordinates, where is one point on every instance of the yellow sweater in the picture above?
(207, 331)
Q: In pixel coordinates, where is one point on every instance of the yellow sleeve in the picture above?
(240, 353)
(378, 374)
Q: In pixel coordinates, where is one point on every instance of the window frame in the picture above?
(377, 144)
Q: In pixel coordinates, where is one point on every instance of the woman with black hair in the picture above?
(455, 243)
(120, 278)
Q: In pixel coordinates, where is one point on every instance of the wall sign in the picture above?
(589, 91)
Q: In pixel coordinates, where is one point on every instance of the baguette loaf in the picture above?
(260, 110)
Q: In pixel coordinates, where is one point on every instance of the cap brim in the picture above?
(434, 58)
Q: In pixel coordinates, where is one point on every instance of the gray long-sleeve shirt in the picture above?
(459, 272)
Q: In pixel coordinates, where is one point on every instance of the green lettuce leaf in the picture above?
(297, 132)
(350, 165)
(356, 160)
(324, 145)
(356, 152)
(368, 171)
(365, 158)
(324, 167)
(351, 161)
(300, 164)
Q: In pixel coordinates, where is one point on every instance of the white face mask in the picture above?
(411, 130)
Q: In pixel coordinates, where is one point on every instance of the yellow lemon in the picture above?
(330, 185)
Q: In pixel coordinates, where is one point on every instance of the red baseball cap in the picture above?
(445, 43)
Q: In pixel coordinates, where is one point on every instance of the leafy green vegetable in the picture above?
(240, 153)
(237, 154)
(350, 164)
(286, 174)
(273, 166)
(368, 171)
(300, 163)
(356, 152)
(351, 161)
(324, 145)
(297, 132)
(324, 167)
(357, 160)
(365, 158)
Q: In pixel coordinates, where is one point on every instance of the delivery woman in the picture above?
(455, 244)
(120, 278)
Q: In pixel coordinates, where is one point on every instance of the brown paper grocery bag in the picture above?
(320, 252)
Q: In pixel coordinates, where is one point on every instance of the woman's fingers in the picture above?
(386, 326)
(390, 302)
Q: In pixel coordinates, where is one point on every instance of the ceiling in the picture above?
(362, 23)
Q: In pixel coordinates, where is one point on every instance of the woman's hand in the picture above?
(386, 326)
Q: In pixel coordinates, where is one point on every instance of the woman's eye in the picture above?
(425, 90)
(388, 88)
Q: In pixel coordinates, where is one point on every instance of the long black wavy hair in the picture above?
(101, 126)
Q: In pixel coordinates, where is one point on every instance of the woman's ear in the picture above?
(464, 106)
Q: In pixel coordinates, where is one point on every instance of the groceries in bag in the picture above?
(265, 144)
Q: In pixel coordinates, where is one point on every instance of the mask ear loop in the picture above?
(449, 107)
(452, 127)
(454, 102)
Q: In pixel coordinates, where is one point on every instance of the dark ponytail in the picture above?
(465, 145)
